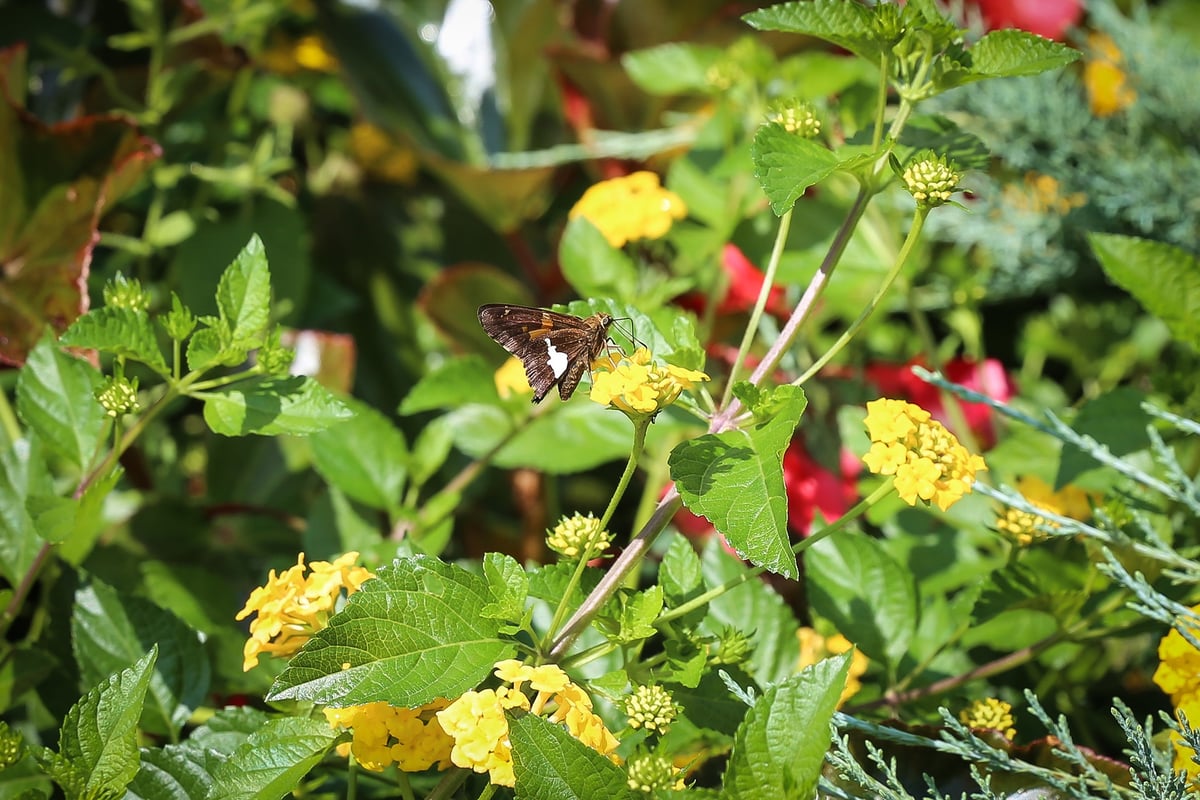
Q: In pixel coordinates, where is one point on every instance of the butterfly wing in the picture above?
(554, 348)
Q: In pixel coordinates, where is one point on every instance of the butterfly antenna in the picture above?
(628, 332)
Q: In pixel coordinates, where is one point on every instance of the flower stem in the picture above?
(914, 233)
(764, 292)
(640, 426)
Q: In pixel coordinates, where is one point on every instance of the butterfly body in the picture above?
(555, 349)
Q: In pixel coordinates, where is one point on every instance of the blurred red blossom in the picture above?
(744, 283)
(1049, 18)
(987, 377)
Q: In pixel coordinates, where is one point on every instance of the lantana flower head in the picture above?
(411, 738)
(1108, 88)
(991, 714)
(1178, 675)
(628, 208)
(815, 648)
(1023, 526)
(928, 462)
(637, 386)
(479, 728)
(292, 606)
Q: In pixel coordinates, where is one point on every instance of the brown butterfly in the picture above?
(555, 349)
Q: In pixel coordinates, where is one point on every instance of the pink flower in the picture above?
(986, 377)
(812, 488)
(1049, 18)
(744, 283)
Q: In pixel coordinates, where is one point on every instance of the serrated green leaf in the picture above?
(430, 451)
(752, 608)
(592, 266)
(173, 772)
(227, 730)
(205, 350)
(1162, 277)
(99, 734)
(679, 573)
(944, 137)
(296, 405)
(414, 634)
(786, 164)
(55, 398)
(109, 629)
(508, 584)
(23, 474)
(847, 25)
(1114, 419)
(120, 331)
(867, 594)
(1010, 52)
(781, 744)
(451, 385)
(244, 296)
(638, 610)
(672, 68)
(273, 760)
(735, 479)
(550, 764)
(365, 456)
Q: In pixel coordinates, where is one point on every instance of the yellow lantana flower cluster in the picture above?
(638, 387)
(1107, 86)
(633, 207)
(479, 728)
(815, 648)
(411, 738)
(292, 606)
(1178, 675)
(989, 713)
(1023, 526)
(928, 462)
(576, 535)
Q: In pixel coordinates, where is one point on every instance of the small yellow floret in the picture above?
(990, 713)
(631, 207)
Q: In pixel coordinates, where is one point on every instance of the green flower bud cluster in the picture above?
(575, 535)
(650, 707)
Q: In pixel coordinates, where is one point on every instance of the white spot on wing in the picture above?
(556, 359)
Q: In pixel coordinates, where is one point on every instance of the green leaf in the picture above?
(120, 331)
(592, 266)
(173, 772)
(508, 584)
(867, 594)
(23, 474)
(1010, 52)
(1116, 420)
(109, 629)
(848, 25)
(244, 296)
(550, 764)
(672, 68)
(753, 608)
(414, 634)
(269, 406)
(98, 737)
(205, 349)
(735, 479)
(273, 760)
(55, 398)
(679, 573)
(638, 610)
(1162, 277)
(452, 384)
(87, 522)
(944, 137)
(787, 164)
(365, 456)
(781, 744)
(430, 451)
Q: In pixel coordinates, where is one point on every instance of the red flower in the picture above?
(1049, 18)
(812, 488)
(745, 282)
(986, 377)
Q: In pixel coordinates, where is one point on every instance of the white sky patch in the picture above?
(557, 359)
(465, 42)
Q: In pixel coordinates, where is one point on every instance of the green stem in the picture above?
(799, 547)
(640, 425)
(760, 304)
(449, 784)
(8, 419)
(914, 233)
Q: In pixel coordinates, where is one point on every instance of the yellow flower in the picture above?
(384, 734)
(291, 607)
(628, 208)
(1107, 88)
(1023, 526)
(307, 52)
(511, 380)
(989, 713)
(650, 707)
(575, 535)
(1178, 675)
(381, 154)
(814, 648)
(479, 728)
(638, 387)
(928, 462)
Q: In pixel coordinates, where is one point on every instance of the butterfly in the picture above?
(554, 348)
